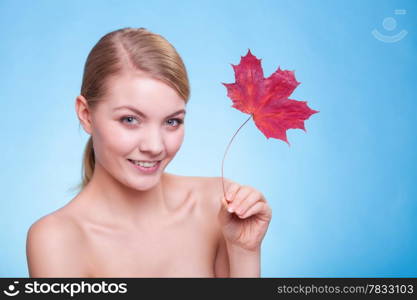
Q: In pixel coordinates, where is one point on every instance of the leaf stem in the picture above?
(228, 146)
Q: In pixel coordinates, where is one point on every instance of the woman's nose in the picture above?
(151, 142)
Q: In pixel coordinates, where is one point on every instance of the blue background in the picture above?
(343, 195)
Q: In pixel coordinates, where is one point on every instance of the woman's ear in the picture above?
(83, 113)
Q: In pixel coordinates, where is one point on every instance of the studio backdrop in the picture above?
(344, 194)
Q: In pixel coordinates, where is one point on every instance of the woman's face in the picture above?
(139, 119)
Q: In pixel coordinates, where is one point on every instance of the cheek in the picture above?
(174, 141)
(112, 140)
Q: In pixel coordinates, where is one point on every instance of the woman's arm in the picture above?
(232, 261)
(244, 263)
(244, 218)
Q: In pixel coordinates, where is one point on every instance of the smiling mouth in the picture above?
(145, 164)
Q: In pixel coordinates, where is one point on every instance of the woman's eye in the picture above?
(129, 120)
(178, 122)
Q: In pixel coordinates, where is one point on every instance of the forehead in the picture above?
(150, 95)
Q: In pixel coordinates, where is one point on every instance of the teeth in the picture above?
(145, 164)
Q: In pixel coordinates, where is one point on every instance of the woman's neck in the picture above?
(112, 200)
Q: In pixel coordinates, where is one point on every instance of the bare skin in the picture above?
(182, 242)
(126, 223)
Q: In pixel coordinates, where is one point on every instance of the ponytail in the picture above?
(88, 163)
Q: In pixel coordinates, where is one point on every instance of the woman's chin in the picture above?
(144, 184)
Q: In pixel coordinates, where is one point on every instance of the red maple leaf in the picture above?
(266, 99)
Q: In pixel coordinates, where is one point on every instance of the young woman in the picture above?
(130, 218)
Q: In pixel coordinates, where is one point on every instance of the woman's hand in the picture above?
(244, 216)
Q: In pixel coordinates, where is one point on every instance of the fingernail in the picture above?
(228, 196)
(230, 209)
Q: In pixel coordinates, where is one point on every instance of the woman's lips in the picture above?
(146, 170)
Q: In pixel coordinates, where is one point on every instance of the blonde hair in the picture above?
(128, 49)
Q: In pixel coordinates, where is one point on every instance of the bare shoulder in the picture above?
(53, 247)
(55, 224)
(209, 189)
(213, 186)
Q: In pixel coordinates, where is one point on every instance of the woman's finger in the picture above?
(250, 200)
(253, 210)
(262, 208)
(231, 191)
(240, 196)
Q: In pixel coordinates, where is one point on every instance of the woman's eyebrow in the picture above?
(143, 115)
